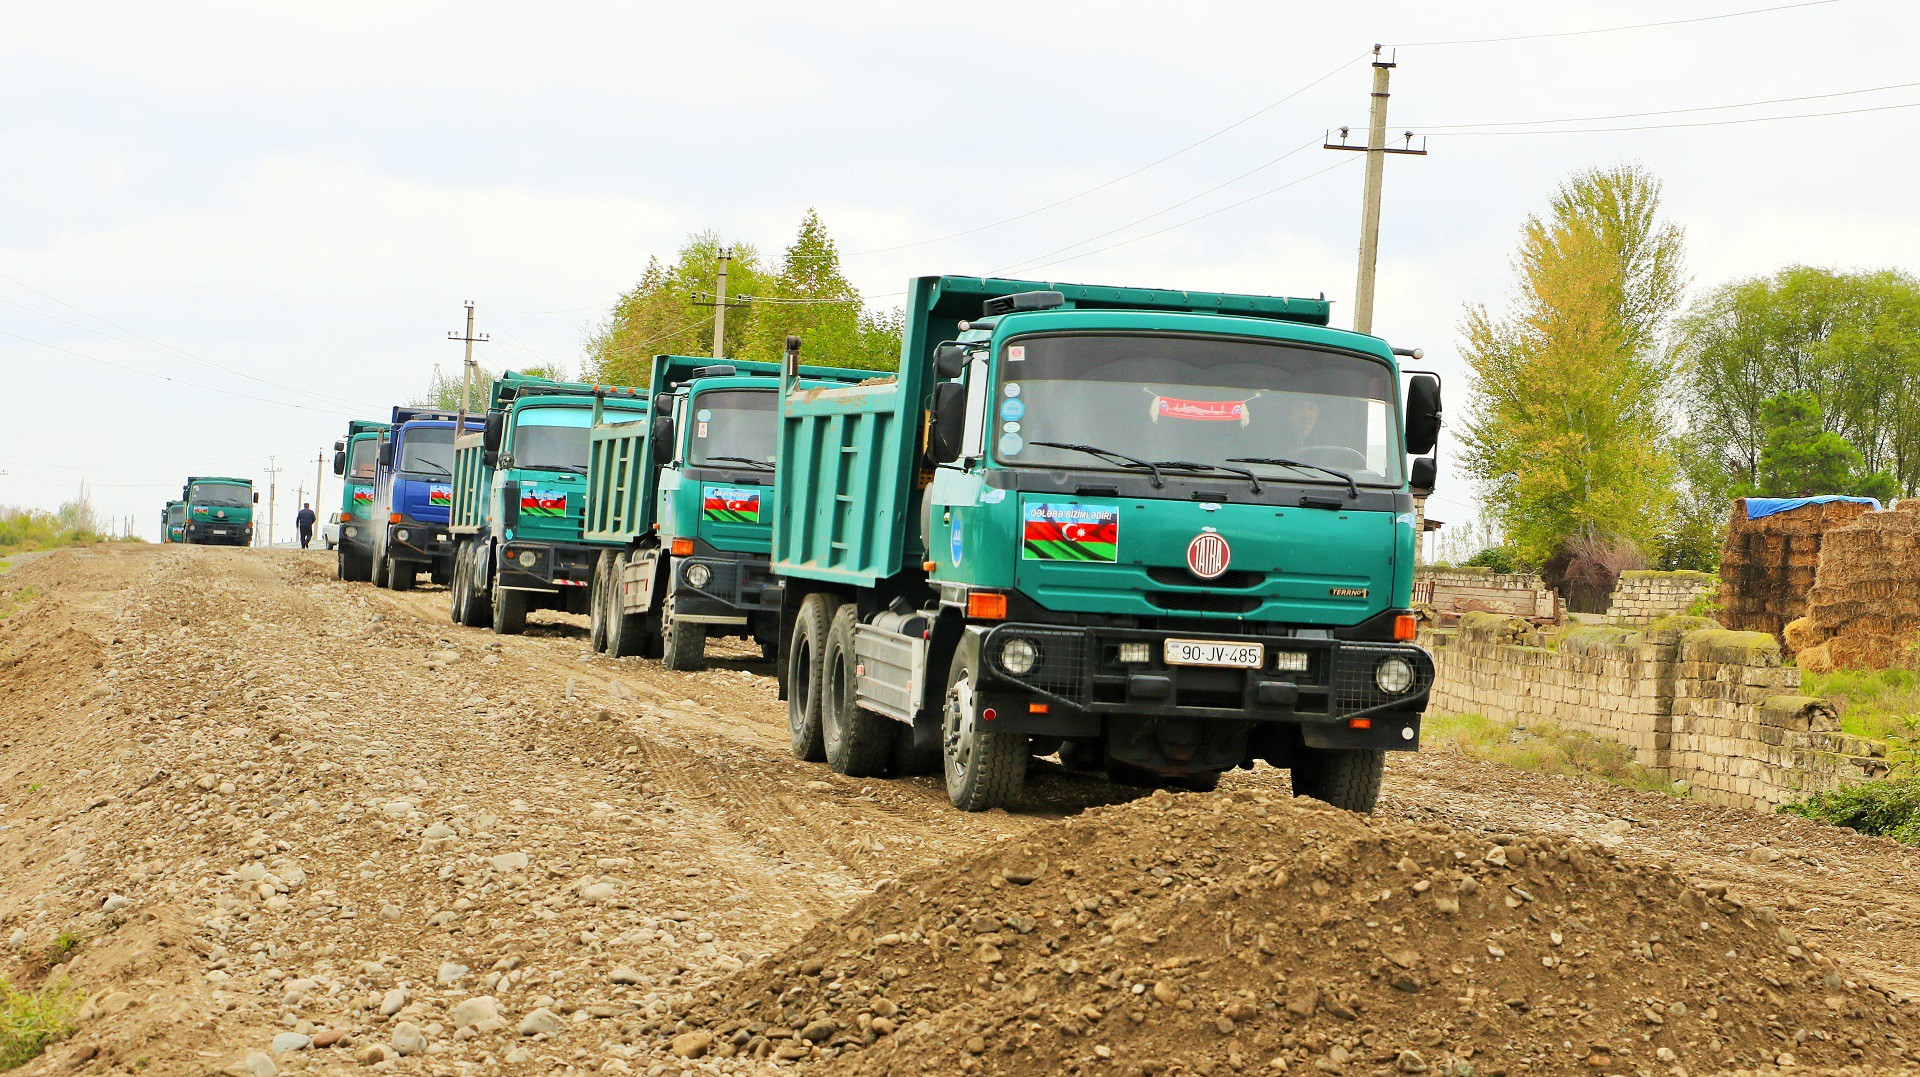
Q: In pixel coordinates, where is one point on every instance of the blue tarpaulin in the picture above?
(1767, 506)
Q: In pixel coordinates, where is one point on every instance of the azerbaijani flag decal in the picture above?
(730, 504)
(1071, 532)
(547, 504)
(363, 495)
(440, 496)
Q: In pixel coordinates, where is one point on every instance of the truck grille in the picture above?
(1062, 668)
(1354, 690)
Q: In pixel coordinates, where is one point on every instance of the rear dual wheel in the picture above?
(857, 742)
(804, 649)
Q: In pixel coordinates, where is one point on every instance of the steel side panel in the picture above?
(891, 667)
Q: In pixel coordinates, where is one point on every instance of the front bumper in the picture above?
(1079, 671)
(554, 565)
(215, 531)
(411, 540)
(737, 587)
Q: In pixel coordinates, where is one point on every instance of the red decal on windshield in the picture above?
(1211, 411)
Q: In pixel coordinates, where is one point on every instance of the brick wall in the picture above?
(1697, 704)
(1645, 597)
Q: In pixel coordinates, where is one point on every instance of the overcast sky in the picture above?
(281, 206)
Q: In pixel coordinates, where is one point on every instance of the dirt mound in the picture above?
(1198, 934)
(1864, 609)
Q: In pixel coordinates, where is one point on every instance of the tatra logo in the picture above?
(1347, 592)
(1208, 555)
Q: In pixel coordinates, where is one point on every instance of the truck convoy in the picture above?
(356, 459)
(412, 497)
(219, 511)
(519, 499)
(1160, 533)
(1157, 534)
(173, 522)
(684, 506)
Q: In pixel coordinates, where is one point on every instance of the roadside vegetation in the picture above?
(1878, 703)
(30, 1021)
(1883, 705)
(25, 530)
(1889, 809)
(1542, 748)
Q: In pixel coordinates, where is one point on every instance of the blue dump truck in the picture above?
(684, 505)
(1158, 533)
(519, 500)
(356, 459)
(412, 498)
(219, 511)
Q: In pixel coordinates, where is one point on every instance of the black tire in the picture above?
(474, 611)
(858, 742)
(805, 649)
(400, 575)
(509, 611)
(629, 635)
(598, 607)
(355, 568)
(1343, 777)
(456, 592)
(683, 646)
(377, 569)
(984, 768)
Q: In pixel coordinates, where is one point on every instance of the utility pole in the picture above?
(319, 461)
(720, 305)
(466, 376)
(273, 487)
(1376, 150)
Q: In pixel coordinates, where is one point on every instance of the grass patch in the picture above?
(1879, 703)
(32, 1020)
(64, 944)
(1543, 748)
(1889, 809)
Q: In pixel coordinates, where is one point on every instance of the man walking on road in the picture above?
(304, 521)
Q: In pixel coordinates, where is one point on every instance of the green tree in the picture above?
(444, 391)
(813, 299)
(1567, 431)
(1801, 458)
(663, 313)
(1852, 340)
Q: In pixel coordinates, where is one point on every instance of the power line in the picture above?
(1669, 111)
(1699, 123)
(176, 381)
(1613, 29)
(1121, 178)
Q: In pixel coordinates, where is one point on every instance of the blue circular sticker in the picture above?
(1012, 388)
(1011, 444)
(956, 544)
(703, 415)
(1012, 409)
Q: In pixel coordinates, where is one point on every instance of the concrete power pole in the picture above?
(1376, 150)
(319, 463)
(273, 487)
(720, 305)
(466, 375)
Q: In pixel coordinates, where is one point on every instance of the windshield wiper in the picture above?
(418, 464)
(577, 469)
(1190, 465)
(760, 464)
(1353, 488)
(1109, 454)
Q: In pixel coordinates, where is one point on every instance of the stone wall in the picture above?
(1448, 593)
(1696, 703)
(1645, 597)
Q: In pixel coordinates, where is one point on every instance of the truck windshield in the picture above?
(555, 438)
(427, 449)
(210, 493)
(176, 513)
(1199, 400)
(731, 425)
(362, 458)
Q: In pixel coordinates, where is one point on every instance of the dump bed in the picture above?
(470, 479)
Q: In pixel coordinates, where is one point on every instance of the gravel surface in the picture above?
(270, 822)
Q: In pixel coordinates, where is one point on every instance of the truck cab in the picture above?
(173, 522)
(688, 500)
(356, 459)
(519, 498)
(1161, 534)
(413, 496)
(219, 511)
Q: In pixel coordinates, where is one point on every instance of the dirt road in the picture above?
(272, 822)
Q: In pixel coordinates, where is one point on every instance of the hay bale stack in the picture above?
(1768, 566)
(1864, 609)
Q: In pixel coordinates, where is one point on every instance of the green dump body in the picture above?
(219, 511)
(1172, 530)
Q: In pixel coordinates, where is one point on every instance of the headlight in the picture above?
(353, 532)
(1393, 675)
(1135, 654)
(527, 558)
(403, 534)
(1018, 656)
(698, 575)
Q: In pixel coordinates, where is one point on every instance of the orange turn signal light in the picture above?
(1405, 627)
(1359, 723)
(1039, 708)
(928, 566)
(393, 517)
(987, 606)
(682, 547)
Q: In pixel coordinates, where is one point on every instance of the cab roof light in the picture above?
(1035, 300)
(986, 606)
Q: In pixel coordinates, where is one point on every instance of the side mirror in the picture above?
(490, 434)
(510, 493)
(256, 499)
(1423, 414)
(339, 462)
(661, 438)
(949, 359)
(386, 454)
(339, 446)
(945, 439)
(792, 367)
(1425, 470)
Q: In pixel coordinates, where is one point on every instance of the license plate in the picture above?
(1195, 652)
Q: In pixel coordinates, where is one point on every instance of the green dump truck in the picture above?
(1159, 533)
(684, 504)
(519, 500)
(356, 459)
(219, 511)
(173, 522)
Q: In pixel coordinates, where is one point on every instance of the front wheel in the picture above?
(509, 611)
(597, 608)
(354, 568)
(683, 646)
(804, 652)
(377, 570)
(400, 575)
(985, 768)
(859, 743)
(1343, 777)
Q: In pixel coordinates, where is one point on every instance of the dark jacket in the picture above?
(304, 519)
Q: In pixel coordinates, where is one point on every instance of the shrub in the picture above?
(1889, 809)
(31, 1020)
